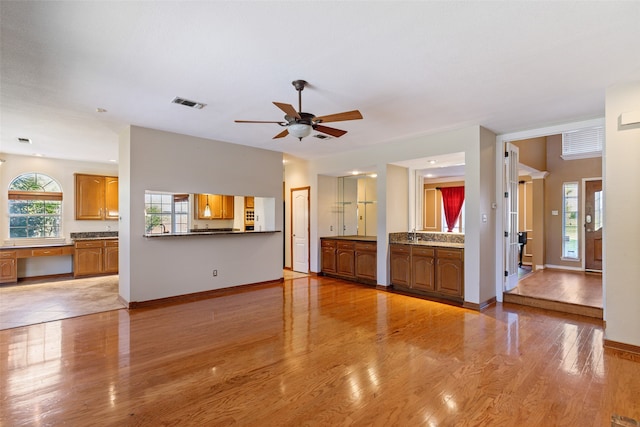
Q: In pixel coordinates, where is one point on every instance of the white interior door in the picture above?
(300, 229)
(511, 216)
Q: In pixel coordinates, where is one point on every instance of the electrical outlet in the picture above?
(215, 273)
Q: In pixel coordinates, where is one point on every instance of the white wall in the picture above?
(164, 267)
(472, 141)
(63, 172)
(621, 176)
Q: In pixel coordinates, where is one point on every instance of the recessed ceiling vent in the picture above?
(321, 136)
(24, 140)
(188, 103)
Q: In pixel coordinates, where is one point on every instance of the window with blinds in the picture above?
(582, 143)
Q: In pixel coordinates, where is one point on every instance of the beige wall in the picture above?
(533, 152)
(560, 172)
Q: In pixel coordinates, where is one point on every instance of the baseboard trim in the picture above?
(480, 307)
(620, 346)
(563, 267)
(213, 293)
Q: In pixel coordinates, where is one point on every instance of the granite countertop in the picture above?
(430, 243)
(211, 232)
(93, 235)
(354, 238)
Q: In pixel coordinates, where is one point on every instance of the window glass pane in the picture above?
(35, 218)
(570, 221)
(598, 209)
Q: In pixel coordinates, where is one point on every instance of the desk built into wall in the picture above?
(9, 258)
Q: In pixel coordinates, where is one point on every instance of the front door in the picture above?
(512, 246)
(593, 209)
(300, 229)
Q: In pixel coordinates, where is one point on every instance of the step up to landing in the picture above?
(564, 307)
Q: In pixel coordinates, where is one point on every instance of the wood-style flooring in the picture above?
(567, 291)
(316, 351)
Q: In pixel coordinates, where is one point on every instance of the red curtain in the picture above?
(452, 199)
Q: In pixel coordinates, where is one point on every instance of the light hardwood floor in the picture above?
(315, 351)
(567, 291)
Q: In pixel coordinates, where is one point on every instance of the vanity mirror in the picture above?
(356, 205)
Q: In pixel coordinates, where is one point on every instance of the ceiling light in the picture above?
(101, 110)
(299, 130)
(24, 140)
(432, 162)
(373, 175)
(355, 173)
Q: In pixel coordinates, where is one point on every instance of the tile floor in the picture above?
(32, 302)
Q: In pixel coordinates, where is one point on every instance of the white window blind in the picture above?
(583, 143)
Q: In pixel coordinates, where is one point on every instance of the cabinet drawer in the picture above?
(89, 244)
(423, 251)
(365, 247)
(7, 254)
(47, 252)
(328, 243)
(348, 246)
(450, 253)
(400, 249)
(111, 243)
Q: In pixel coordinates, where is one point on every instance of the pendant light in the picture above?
(207, 209)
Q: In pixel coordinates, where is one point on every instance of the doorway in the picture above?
(593, 223)
(300, 229)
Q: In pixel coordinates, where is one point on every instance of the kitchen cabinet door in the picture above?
(111, 256)
(366, 262)
(400, 265)
(328, 256)
(227, 207)
(111, 197)
(345, 259)
(450, 272)
(423, 269)
(87, 260)
(8, 267)
(90, 196)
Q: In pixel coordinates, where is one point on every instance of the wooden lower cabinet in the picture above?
(366, 260)
(328, 256)
(449, 272)
(430, 271)
(423, 269)
(95, 257)
(345, 259)
(400, 263)
(8, 267)
(349, 259)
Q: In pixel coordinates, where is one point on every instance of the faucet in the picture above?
(415, 236)
(164, 229)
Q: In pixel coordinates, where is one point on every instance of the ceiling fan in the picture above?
(299, 124)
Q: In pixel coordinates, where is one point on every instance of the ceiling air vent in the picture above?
(321, 136)
(188, 103)
(24, 140)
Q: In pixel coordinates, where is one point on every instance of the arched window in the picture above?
(35, 207)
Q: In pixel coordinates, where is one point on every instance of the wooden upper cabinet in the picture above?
(249, 202)
(221, 206)
(111, 197)
(96, 197)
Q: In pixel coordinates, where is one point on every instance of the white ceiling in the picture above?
(410, 67)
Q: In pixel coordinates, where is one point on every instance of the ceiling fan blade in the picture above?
(330, 131)
(288, 109)
(281, 134)
(340, 117)
(259, 121)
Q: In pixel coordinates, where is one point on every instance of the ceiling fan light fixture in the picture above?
(299, 130)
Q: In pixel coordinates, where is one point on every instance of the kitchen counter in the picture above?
(429, 243)
(212, 232)
(352, 238)
(93, 235)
